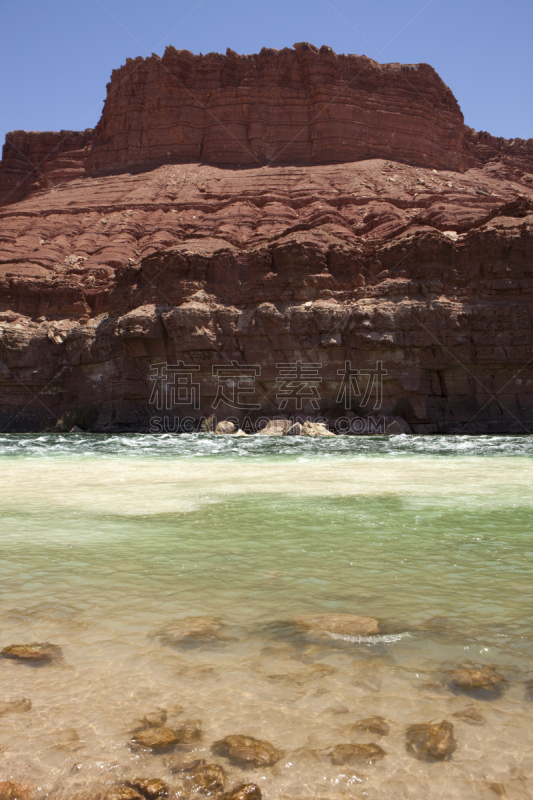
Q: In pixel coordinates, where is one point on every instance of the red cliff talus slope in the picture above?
(174, 232)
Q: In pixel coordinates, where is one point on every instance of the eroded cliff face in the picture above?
(428, 270)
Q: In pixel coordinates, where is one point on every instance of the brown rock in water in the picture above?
(470, 715)
(246, 751)
(276, 427)
(246, 791)
(192, 628)
(158, 740)
(469, 679)
(377, 725)
(34, 652)
(154, 787)
(431, 742)
(225, 426)
(202, 778)
(315, 429)
(189, 731)
(342, 624)
(14, 791)
(14, 706)
(295, 430)
(154, 719)
(353, 754)
(67, 739)
(124, 792)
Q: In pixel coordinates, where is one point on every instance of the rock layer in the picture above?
(426, 270)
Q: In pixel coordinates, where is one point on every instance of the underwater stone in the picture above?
(15, 706)
(154, 787)
(470, 715)
(14, 791)
(206, 779)
(32, 652)
(471, 679)
(153, 719)
(246, 791)
(350, 754)
(343, 624)
(246, 751)
(123, 793)
(431, 742)
(377, 725)
(189, 731)
(192, 628)
(155, 739)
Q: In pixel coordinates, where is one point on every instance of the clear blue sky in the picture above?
(56, 56)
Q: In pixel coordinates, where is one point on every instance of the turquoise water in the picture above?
(105, 540)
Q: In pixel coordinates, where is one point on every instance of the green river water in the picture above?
(106, 540)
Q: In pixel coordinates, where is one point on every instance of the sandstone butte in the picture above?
(268, 209)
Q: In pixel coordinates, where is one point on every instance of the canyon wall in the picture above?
(291, 106)
(414, 260)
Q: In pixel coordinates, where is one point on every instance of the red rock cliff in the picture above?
(291, 106)
(424, 268)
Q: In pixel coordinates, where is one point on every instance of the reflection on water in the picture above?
(110, 542)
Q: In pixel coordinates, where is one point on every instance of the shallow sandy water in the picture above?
(105, 540)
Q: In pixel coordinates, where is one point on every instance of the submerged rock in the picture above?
(245, 751)
(14, 706)
(246, 791)
(123, 792)
(202, 778)
(153, 787)
(189, 731)
(377, 725)
(155, 719)
(352, 754)
(431, 742)
(470, 715)
(14, 791)
(341, 624)
(468, 679)
(67, 739)
(158, 740)
(192, 628)
(34, 652)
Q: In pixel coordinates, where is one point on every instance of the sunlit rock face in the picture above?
(264, 210)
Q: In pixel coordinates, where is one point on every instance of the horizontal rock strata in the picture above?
(426, 270)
